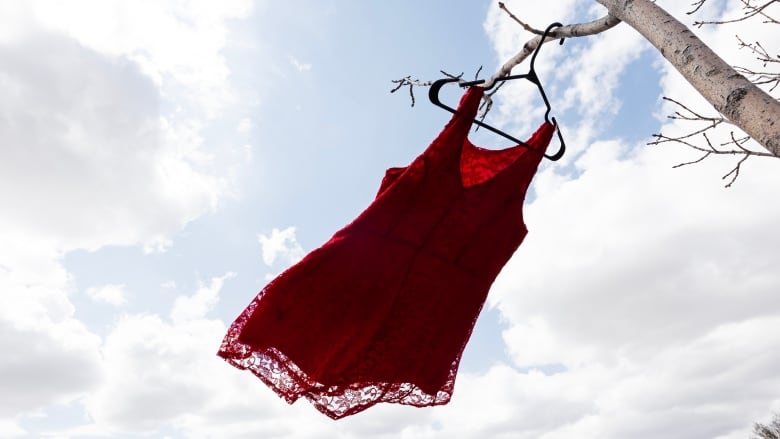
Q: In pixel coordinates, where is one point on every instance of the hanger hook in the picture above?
(541, 43)
(562, 149)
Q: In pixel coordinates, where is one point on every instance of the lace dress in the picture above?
(383, 310)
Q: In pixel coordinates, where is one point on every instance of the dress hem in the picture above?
(288, 381)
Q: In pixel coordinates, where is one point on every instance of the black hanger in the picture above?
(433, 95)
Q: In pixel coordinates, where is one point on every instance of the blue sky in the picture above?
(164, 160)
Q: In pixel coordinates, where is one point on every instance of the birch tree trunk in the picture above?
(733, 95)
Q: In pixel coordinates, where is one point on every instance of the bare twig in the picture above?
(761, 78)
(735, 171)
(763, 56)
(761, 53)
(737, 144)
(691, 115)
(520, 22)
(408, 81)
(749, 10)
(697, 5)
(679, 165)
(451, 76)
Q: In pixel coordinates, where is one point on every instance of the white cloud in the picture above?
(154, 373)
(245, 125)
(187, 308)
(300, 66)
(10, 429)
(176, 43)
(52, 363)
(89, 160)
(506, 35)
(591, 78)
(49, 356)
(280, 243)
(103, 112)
(90, 156)
(112, 294)
(162, 373)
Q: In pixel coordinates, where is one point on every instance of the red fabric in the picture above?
(382, 311)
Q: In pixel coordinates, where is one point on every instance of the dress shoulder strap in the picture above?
(451, 138)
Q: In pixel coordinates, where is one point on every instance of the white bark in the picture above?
(738, 99)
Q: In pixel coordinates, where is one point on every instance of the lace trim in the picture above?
(285, 378)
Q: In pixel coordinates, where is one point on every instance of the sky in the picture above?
(161, 161)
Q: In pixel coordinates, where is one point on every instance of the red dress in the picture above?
(382, 311)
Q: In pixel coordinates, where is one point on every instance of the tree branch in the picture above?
(740, 101)
(569, 31)
(737, 148)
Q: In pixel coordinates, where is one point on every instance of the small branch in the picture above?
(760, 52)
(763, 56)
(451, 76)
(697, 5)
(750, 11)
(661, 138)
(707, 154)
(761, 78)
(735, 171)
(520, 22)
(691, 116)
(736, 144)
(569, 31)
(408, 81)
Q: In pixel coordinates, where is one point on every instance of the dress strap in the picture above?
(450, 139)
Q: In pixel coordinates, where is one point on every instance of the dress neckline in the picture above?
(478, 165)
